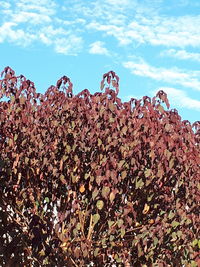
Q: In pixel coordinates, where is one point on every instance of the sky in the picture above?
(152, 45)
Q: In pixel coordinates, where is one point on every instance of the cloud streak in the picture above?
(181, 54)
(98, 48)
(127, 21)
(174, 75)
(27, 21)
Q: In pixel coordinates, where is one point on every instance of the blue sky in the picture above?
(150, 44)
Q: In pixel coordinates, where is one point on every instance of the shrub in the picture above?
(89, 179)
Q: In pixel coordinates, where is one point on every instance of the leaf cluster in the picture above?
(87, 178)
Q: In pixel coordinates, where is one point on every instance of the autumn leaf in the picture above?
(146, 209)
(82, 188)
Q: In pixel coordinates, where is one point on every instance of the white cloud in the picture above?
(18, 36)
(173, 75)
(46, 7)
(27, 21)
(70, 45)
(181, 54)
(45, 39)
(30, 17)
(180, 99)
(98, 48)
(150, 29)
(130, 22)
(5, 5)
(118, 2)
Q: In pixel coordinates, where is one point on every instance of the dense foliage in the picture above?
(88, 179)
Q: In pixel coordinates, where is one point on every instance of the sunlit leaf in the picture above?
(46, 199)
(139, 183)
(96, 251)
(112, 197)
(99, 142)
(82, 188)
(95, 193)
(120, 222)
(194, 242)
(96, 218)
(123, 175)
(105, 191)
(147, 172)
(100, 204)
(175, 224)
(171, 215)
(146, 209)
(123, 231)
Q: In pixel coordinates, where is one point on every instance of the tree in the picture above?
(86, 178)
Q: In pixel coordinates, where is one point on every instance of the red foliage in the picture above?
(87, 178)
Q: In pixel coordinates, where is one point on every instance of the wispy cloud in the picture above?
(46, 7)
(98, 48)
(27, 21)
(5, 4)
(9, 32)
(180, 99)
(181, 54)
(173, 75)
(130, 22)
(159, 30)
(70, 45)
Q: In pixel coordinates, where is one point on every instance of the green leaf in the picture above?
(100, 204)
(96, 251)
(193, 264)
(179, 234)
(86, 176)
(75, 231)
(110, 223)
(120, 222)
(188, 221)
(122, 232)
(99, 142)
(37, 203)
(174, 235)
(112, 237)
(139, 183)
(95, 193)
(62, 178)
(78, 226)
(15, 137)
(194, 242)
(149, 198)
(171, 215)
(147, 173)
(155, 241)
(175, 224)
(46, 199)
(162, 212)
(96, 218)
(105, 191)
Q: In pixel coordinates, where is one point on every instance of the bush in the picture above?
(87, 179)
